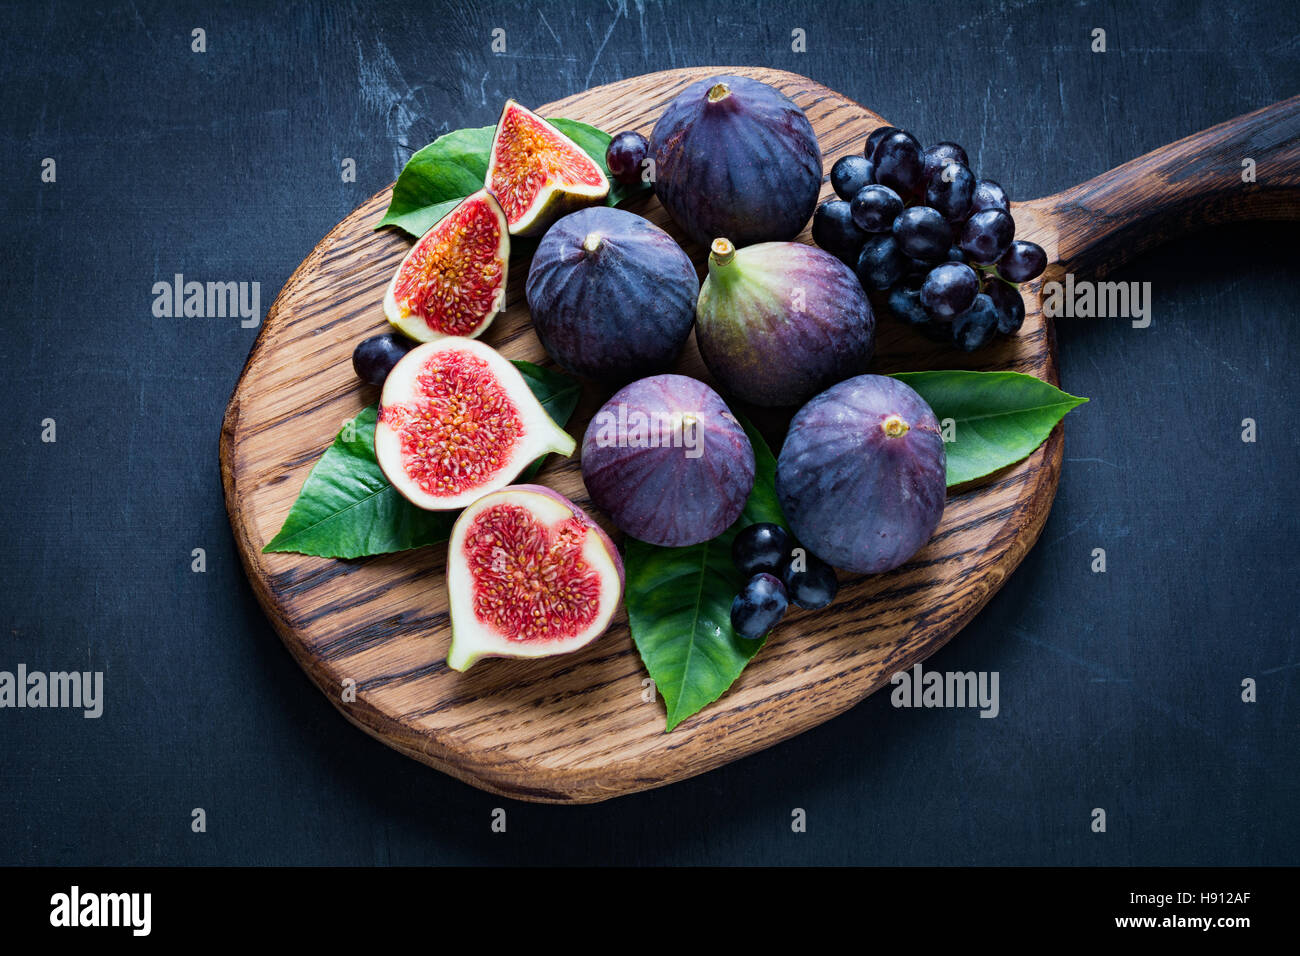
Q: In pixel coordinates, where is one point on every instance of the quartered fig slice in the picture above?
(456, 421)
(453, 281)
(538, 174)
(529, 574)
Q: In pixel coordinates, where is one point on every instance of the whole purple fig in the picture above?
(780, 321)
(612, 295)
(668, 462)
(737, 158)
(862, 475)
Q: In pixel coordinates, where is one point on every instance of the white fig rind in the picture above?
(541, 435)
(473, 639)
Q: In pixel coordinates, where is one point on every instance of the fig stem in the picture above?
(592, 242)
(894, 427)
(721, 252)
(719, 91)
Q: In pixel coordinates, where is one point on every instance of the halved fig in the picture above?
(529, 574)
(456, 421)
(538, 174)
(453, 281)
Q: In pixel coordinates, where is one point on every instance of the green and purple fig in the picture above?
(611, 294)
(668, 462)
(862, 476)
(781, 321)
(735, 157)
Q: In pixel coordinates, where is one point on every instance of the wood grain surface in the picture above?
(577, 728)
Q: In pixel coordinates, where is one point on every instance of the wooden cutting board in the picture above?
(578, 728)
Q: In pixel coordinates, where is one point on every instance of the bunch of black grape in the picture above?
(777, 574)
(935, 242)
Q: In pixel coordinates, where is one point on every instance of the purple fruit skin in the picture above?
(766, 350)
(746, 167)
(855, 497)
(622, 311)
(662, 495)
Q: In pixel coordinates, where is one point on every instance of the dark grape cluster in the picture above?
(777, 574)
(931, 242)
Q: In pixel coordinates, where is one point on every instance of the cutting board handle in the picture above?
(1198, 181)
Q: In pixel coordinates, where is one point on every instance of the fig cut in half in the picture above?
(538, 174)
(453, 281)
(529, 574)
(456, 421)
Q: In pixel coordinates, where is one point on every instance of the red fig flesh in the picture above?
(453, 281)
(529, 574)
(456, 421)
(539, 174)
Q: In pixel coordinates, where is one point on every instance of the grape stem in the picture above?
(991, 271)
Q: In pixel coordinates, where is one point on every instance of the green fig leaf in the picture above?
(454, 165)
(679, 603)
(998, 417)
(347, 508)
(438, 177)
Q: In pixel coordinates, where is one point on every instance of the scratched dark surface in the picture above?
(1118, 690)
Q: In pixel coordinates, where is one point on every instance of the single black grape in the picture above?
(923, 233)
(760, 547)
(956, 254)
(833, 229)
(975, 327)
(624, 156)
(1009, 304)
(810, 582)
(989, 195)
(987, 234)
(1022, 261)
(881, 263)
(873, 140)
(375, 357)
(905, 304)
(949, 289)
(950, 191)
(875, 208)
(940, 155)
(898, 162)
(850, 175)
(758, 607)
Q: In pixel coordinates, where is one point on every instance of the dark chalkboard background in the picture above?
(1118, 690)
